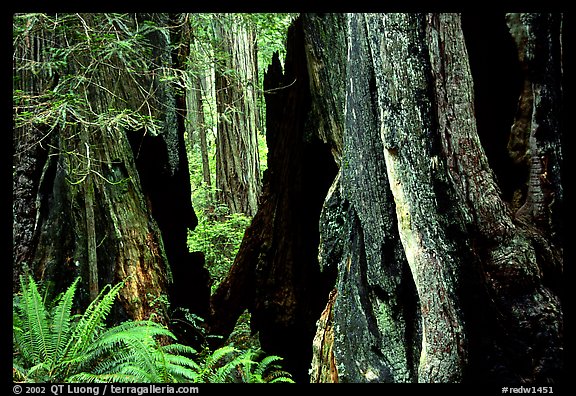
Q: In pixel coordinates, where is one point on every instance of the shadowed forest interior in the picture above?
(289, 197)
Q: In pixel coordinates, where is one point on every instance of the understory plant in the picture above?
(218, 235)
(230, 365)
(51, 344)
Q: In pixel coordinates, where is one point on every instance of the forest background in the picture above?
(361, 197)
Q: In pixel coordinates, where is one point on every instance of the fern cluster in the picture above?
(53, 345)
(229, 365)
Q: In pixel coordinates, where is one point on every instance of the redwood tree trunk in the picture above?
(276, 274)
(437, 280)
(195, 106)
(98, 192)
(485, 298)
(237, 161)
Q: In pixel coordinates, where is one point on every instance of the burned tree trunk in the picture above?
(95, 193)
(437, 280)
(536, 130)
(276, 274)
(162, 164)
(484, 297)
(375, 311)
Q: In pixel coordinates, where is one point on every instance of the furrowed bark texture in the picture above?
(419, 185)
(237, 162)
(537, 126)
(276, 274)
(30, 155)
(518, 260)
(195, 100)
(375, 311)
(486, 307)
(102, 192)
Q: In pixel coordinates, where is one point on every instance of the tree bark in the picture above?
(276, 273)
(483, 278)
(237, 162)
(30, 152)
(195, 105)
(203, 142)
(98, 198)
(537, 125)
(375, 311)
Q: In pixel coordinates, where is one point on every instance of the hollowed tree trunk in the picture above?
(437, 279)
(108, 204)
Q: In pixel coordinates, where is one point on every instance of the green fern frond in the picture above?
(146, 359)
(138, 374)
(101, 378)
(244, 364)
(61, 321)
(227, 372)
(39, 372)
(219, 354)
(179, 373)
(267, 363)
(279, 376)
(271, 371)
(179, 349)
(35, 319)
(248, 368)
(61, 347)
(210, 372)
(145, 331)
(93, 318)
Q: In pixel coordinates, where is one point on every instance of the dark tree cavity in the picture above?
(105, 201)
(495, 68)
(276, 274)
(445, 243)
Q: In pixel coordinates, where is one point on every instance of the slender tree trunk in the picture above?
(203, 142)
(196, 119)
(237, 162)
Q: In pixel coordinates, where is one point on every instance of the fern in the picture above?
(86, 330)
(228, 364)
(61, 324)
(31, 331)
(35, 319)
(266, 370)
(209, 366)
(53, 345)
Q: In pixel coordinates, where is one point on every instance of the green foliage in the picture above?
(229, 365)
(218, 235)
(131, 352)
(271, 29)
(82, 48)
(52, 344)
